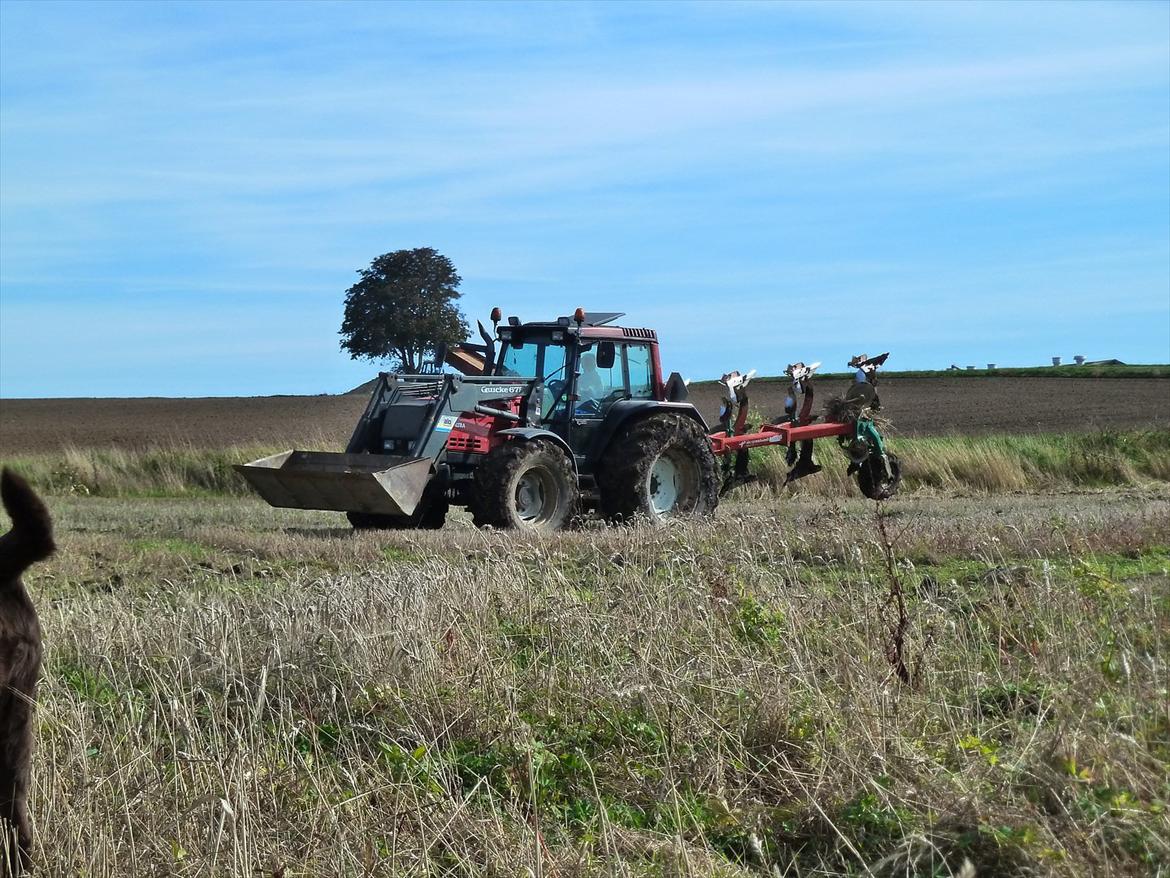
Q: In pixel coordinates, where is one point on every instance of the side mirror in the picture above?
(606, 355)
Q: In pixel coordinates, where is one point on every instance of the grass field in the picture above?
(235, 690)
(968, 680)
(979, 464)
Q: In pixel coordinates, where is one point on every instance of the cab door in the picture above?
(606, 372)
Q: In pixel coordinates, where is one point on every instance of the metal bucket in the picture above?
(373, 483)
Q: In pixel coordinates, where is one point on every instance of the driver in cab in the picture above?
(591, 387)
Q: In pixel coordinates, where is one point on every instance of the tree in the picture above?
(403, 309)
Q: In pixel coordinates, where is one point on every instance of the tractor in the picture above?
(543, 421)
(565, 416)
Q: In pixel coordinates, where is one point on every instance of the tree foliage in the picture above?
(403, 309)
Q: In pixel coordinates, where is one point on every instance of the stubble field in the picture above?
(970, 679)
(235, 690)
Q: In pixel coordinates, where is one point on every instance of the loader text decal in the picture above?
(446, 423)
(502, 388)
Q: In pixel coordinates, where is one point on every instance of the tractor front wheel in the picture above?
(525, 485)
(874, 481)
(660, 467)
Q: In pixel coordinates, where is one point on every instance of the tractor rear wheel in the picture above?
(525, 485)
(660, 467)
(873, 480)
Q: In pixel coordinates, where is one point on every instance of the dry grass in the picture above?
(990, 464)
(999, 464)
(163, 471)
(233, 690)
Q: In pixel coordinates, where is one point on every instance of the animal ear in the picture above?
(31, 538)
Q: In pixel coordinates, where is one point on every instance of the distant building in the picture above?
(1104, 363)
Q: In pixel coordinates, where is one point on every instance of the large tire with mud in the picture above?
(660, 467)
(525, 485)
(873, 480)
(430, 515)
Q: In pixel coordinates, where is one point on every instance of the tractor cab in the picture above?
(581, 386)
(585, 365)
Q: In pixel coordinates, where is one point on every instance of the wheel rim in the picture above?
(672, 483)
(535, 496)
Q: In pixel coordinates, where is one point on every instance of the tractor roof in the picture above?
(595, 326)
(592, 318)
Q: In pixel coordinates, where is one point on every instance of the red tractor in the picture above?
(547, 420)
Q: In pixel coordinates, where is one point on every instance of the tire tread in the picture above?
(626, 464)
(492, 501)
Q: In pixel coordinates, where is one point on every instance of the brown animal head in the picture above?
(30, 540)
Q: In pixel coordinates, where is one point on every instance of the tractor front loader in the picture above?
(392, 473)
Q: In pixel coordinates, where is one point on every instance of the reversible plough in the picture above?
(850, 419)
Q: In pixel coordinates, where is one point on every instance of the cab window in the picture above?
(595, 383)
(640, 370)
(533, 360)
(552, 367)
(630, 377)
(520, 360)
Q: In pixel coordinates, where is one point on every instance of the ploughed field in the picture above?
(915, 407)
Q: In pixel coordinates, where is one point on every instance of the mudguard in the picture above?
(625, 411)
(529, 433)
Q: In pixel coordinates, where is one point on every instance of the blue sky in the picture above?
(187, 190)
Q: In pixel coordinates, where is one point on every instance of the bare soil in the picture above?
(966, 406)
(915, 406)
(30, 425)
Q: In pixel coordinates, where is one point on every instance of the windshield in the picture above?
(519, 360)
(533, 359)
(538, 360)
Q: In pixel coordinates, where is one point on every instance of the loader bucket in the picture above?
(375, 483)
